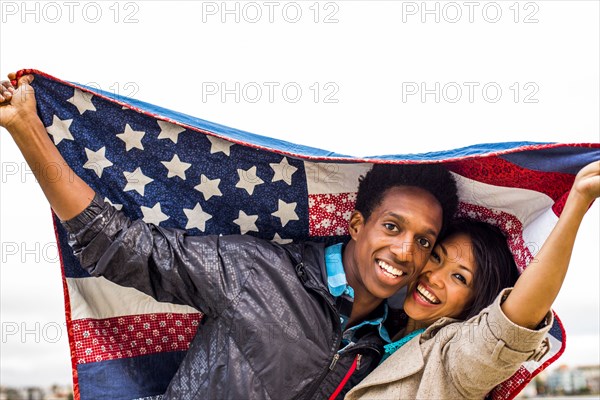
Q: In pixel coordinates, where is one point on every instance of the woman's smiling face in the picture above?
(445, 286)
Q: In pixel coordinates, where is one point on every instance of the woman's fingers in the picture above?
(587, 181)
(592, 180)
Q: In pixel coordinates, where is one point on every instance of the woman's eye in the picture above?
(461, 278)
(424, 243)
(435, 256)
(390, 227)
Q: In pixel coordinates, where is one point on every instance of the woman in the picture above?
(458, 349)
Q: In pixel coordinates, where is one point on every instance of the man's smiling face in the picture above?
(389, 249)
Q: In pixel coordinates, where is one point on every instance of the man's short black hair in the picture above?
(433, 178)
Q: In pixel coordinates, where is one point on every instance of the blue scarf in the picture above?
(392, 347)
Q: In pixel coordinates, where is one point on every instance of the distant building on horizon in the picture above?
(565, 380)
(55, 392)
(592, 377)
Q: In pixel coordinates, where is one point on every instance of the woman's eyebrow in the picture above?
(466, 268)
(443, 249)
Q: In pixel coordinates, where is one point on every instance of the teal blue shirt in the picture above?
(339, 288)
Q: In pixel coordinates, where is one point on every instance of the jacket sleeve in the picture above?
(489, 349)
(167, 264)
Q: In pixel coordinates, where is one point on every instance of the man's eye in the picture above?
(424, 243)
(390, 227)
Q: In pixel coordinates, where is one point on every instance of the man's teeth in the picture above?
(427, 294)
(390, 270)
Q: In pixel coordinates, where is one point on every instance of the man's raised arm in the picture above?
(68, 194)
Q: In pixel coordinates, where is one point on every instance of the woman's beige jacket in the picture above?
(456, 359)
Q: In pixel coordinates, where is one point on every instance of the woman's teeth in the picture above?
(389, 270)
(427, 294)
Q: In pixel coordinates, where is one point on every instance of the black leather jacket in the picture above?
(271, 328)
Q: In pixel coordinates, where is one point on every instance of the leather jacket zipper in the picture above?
(355, 366)
(338, 340)
(336, 356)
(301, 272)
(334, 361)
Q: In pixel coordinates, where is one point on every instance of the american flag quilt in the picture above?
(175, 170)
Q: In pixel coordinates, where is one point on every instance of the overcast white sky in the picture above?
(505, 71)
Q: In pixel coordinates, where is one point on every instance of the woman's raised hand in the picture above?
(539, 284)
(587, 182)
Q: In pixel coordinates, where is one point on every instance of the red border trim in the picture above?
(69, 321)
(545, 365)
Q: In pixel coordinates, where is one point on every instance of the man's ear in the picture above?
(357, 221)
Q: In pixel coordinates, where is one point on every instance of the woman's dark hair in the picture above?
(496, 268)
(433, 178)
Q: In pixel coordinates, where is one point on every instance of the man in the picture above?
(294, 321)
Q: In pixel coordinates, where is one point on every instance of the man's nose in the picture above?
(404, 248)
